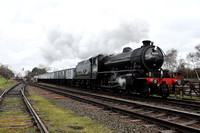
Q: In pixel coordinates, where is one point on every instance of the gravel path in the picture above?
(116, 122)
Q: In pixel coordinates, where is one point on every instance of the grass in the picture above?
(185, 96)
(15, 118)
(48, 84)
(21, 130)
(12, 118)
(65, 120)
(6, 83)
(171, 96)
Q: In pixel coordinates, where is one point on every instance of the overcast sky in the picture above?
(59, 33)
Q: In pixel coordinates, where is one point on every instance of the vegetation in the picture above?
(15, 118)
(6, 72)
(171, 60)
(184, 96)
(190, 66)
(35, 71)
(65, 120)
(6, 83)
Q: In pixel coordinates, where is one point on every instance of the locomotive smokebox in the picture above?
(146, 42)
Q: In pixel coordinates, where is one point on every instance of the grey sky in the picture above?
(59, 33)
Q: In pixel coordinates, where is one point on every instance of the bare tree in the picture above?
(181, 65)
(197, 54)
(170, 62)
(194, 59)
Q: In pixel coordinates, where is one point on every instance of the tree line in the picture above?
(6, 72)
(189, 66)
(36, 71)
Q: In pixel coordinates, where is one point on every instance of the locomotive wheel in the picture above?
(145, 91)
(126, 91)
(165, 91)
(100, 89)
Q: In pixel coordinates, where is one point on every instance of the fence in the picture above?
(191, 89)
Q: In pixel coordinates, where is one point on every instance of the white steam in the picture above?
(90, 42)
(83, 30)
(121, 81)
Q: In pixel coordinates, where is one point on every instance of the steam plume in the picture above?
(121, 81)
(63, 44)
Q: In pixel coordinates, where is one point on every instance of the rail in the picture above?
(37, 119)
(6, 91)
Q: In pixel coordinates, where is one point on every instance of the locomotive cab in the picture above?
(88, 69)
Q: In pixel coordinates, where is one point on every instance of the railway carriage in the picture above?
(58, 77)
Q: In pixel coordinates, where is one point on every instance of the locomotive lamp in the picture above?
(155, 81)
(179, 82)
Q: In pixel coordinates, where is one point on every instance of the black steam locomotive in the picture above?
(127, 72)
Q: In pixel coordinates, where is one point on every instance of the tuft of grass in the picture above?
(65, 120)
(6, 83)
(171, 96)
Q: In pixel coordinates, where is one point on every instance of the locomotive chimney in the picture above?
(146, 43)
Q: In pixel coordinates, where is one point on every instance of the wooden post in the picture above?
(183, 89)
(175, 92)
(181, 92)
(199, 89)
(174, 89)
(191, 88)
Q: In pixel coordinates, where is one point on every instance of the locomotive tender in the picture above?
(127, 72)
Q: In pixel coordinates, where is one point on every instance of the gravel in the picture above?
(114, 121)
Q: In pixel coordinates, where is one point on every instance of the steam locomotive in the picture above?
(128, 72)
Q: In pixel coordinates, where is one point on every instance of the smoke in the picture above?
(63, 44)
(121, 81)
(79, 31)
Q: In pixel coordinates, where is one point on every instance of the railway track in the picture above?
(172, 119)
(16, 111)
(189, 105)
(186, 105)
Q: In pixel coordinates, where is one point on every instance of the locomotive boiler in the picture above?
(130, 70)
(148, 57)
